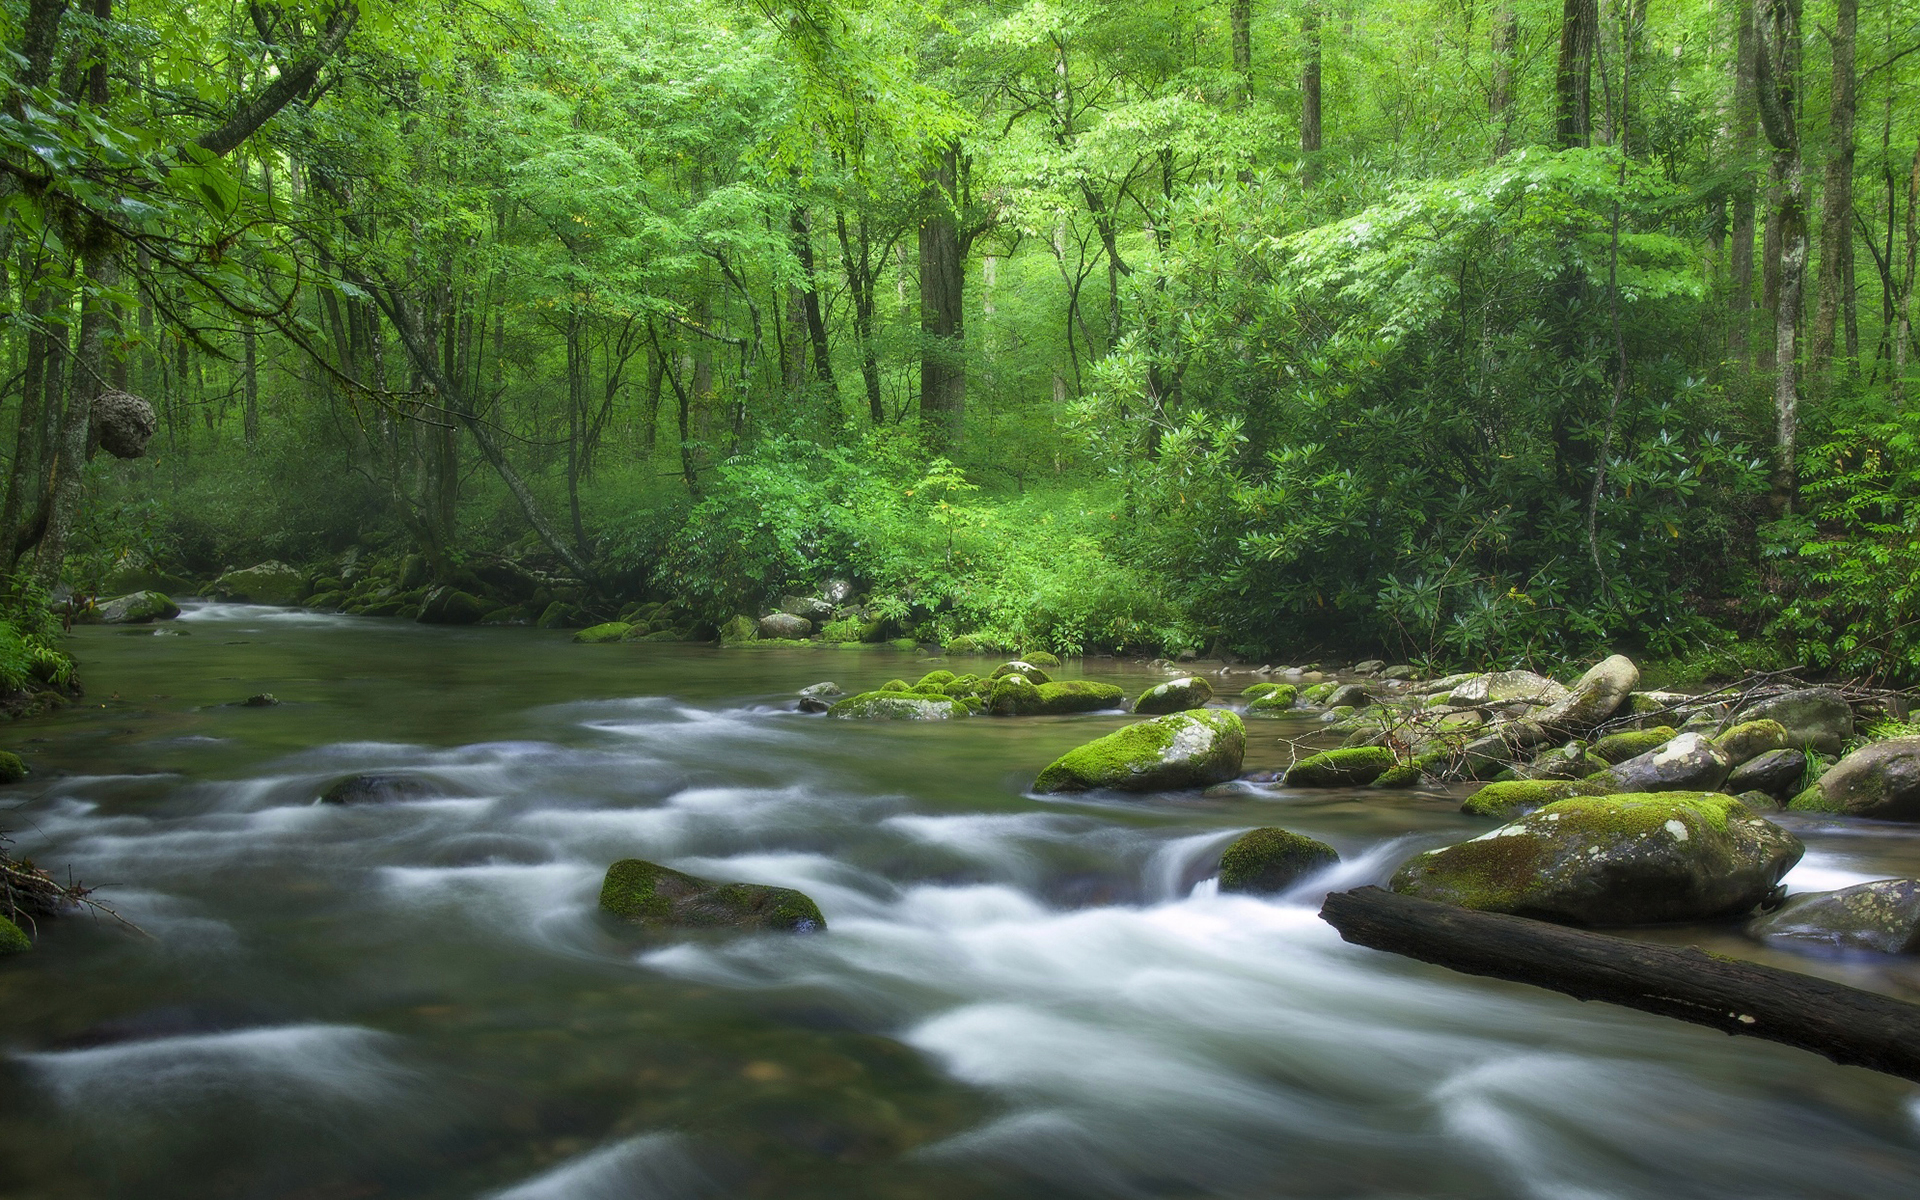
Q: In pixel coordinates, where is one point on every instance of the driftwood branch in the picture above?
(1847, 1025)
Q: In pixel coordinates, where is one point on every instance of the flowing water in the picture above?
(1017, 997)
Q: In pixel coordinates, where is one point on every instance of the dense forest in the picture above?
(1468, 331)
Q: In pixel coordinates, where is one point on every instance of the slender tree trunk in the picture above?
(1744, 130)
(1310, 133)
(1573, 81)
(1778, 62)
(810, 306)
(943, 377)
(1506, 40)
(249, 383)
(861, 279)
(1903, 331)
(1240, 22)
(1836, 202)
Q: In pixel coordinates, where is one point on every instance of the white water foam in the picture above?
(652, 1166)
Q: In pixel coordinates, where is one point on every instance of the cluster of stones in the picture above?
(1014, 689)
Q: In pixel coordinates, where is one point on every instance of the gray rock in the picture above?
(819, 697)
(1814, 717)
(1509, 687)
(1688, 763)
(1777, 773)
(1021, 667)
(1881, 781)
(784, 625)
(140, 608)
(1613, 860)
(1401, 672)
(1175, 695)
(1349, 695)
(1181, 750)
(813, 608)
(1883, 916)
(266, 583)
(1369, 667)
(837, 591)
(1598, 695)
(898, 706)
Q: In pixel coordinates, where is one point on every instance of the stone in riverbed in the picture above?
(1518, 797)
(1597, 696)
(1175, 695)
(265, 583)
(784, 625)
(1688, 763)
(897, 706)
(137, 608)
(1274, 700)
(1882, 916)
(1777, 773)
(1181, 750)
(1619, 747)
(819, 697)
(1272, 860)
(1356, 767)
(1815, 718)
(1613, 860)
(610, 631)
(1032, 671)
(451, 606)
(381, 787)
(1750, 739)
(12, 939)
(1017, 696)
(1509, 687)
(652, 896)
(1881, 780)
(12, 770)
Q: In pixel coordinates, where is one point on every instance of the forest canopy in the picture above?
(1477, 332)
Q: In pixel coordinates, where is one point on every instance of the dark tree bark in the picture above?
(1743, 132)
(1778, 65)
(1573, 81)
(1506, 41)
(943, 280)
(810, 305)
(1240, 21)
(1310, 130)
(1844, 1024)
(290, 84)
(1836, 200)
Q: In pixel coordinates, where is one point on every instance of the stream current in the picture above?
(1016, 997)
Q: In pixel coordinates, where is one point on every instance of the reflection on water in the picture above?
(1017, 997)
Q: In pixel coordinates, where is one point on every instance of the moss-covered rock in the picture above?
(136, 608)
(1413, 772)
(1613, 860)
(12, 770)
(610, 631)
(1254, 691)
(1018, 696)
(656, 897)
(740, 628)
(906, 644)
(1619, 747)
(898, 706)
(1516, 798)
(1175, 695)
(1181, 750)
(1573, 761)
(1272, 860)
(12, 939)
(1317, 693)
(265, 583)
(1021, 667)
(1280, 699)
(1881, 780)
(1688, 763)
(450, 606)
(1751, 739)
(1600, 693)
(1341, 768)
(1882, 916)
(1815, 718)
(1041, 658)
(936, 679)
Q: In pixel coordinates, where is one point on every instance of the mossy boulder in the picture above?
(12, 769)
(1272, 860)
(1356, 767)
(897, 706)
(1041, 658)
(1598, 695)
(1690, 762)
(451, 606)
(380, 787)
(136, 608)
(1619, 747)
(1815, 718)
(1175, 695)
(1181, 750)
(1881, 780)
(1254, 691)
(819, 697)
(610, 631)
(265, 583)
(1613, 860)
(1777, 773)
(1412, 773)
(1518, 797)
(656, 897)
(1509, 687)
(1882, 916)
(936, 679)
(738, 629)
(12, 939)
(1573, 761)
(1317, 693)
(1021, 667)
(1750, 739)
(1280, 699)
(1017, 696)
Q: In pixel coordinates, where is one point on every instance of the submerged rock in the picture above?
(381, 787)
(1175, 695)
(1181, 750)
(1354, 767)
(1613, 860)
(1883, 916)
(610, 631)
(1881, 781)
(899, 705)
(653, 896)
(1272, 860)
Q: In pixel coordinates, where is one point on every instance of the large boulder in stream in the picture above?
(266, 583)
(784, 626)
(1691, 762)
(1509, 687)
(451, 606)
(1613, 860)
(1019, 696)
(656, 897)
(1353, 767)
(1272, 860)
(1881, 780)
(1882, 916)
(1815, 719)
(898, 705)
(1597, 696)
(1175, 695)
(1181, 750)
(138, 608)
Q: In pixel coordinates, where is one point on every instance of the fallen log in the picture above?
(1845, 1024)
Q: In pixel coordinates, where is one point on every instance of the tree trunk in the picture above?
(1240, 19)
(943, 377)
(1836, 201)
(810, 306)
(1310, 80)
(249, 383)
(1778, 62)
(1573, 81)
(1506, 41)
(1846, 1025)
(1743, 132)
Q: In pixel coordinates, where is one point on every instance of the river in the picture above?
(1016, 997)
